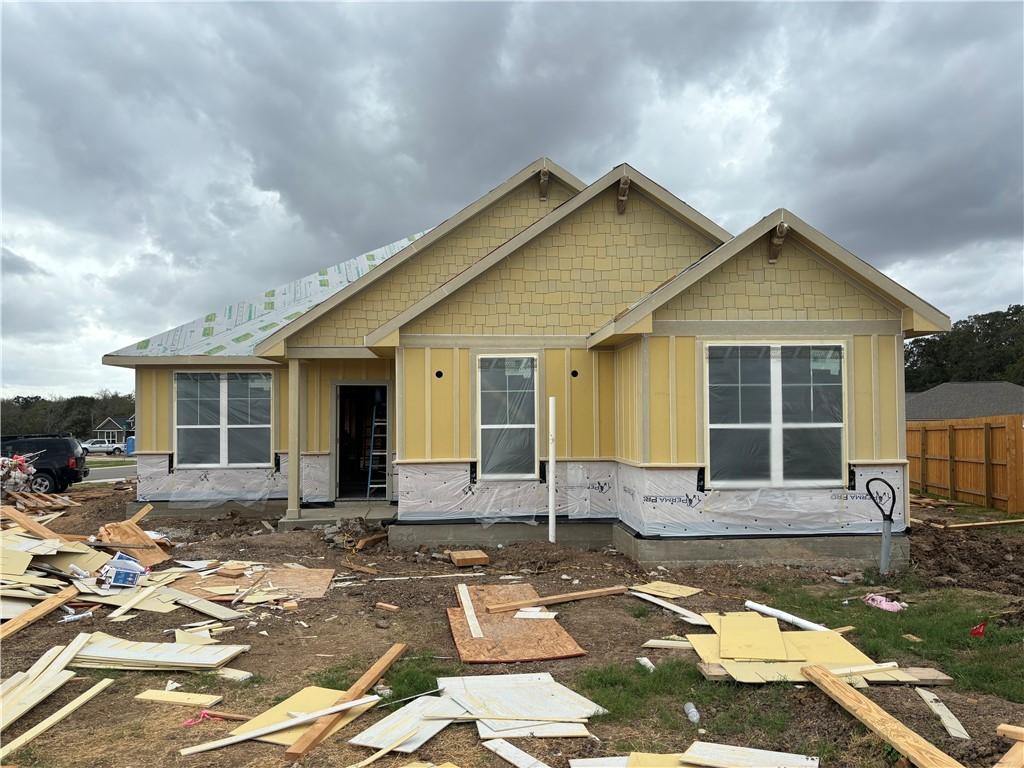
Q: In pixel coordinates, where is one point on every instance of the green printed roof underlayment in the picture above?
(238, 328)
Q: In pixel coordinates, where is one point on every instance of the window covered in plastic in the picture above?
(508, 420)
(222, 419)
(775, 414)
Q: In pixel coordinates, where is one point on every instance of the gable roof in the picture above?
(118, 422)
(654, 191)
(429, 239)
(966, 400)
(919, 317)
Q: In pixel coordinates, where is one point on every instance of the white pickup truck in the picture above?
(98, 445)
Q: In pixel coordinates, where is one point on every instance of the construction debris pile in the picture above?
(111, 577)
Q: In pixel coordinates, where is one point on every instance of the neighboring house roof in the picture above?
(116, 422)
(656, 192)
(920, 317)
(238, 328)
(966, 400)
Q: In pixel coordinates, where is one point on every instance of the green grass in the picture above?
(409, 676)
(639, 611)
(28, 757)
(942, 619)
(109, 461)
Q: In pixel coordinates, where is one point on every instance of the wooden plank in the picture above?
(305, 584)
(359, 568)
(985, 524)
(322, 727)
(291, 723)
(652, 759)
(180, 697)
(467, 607)
(468, 557)
(142, 594)
(708, 755)
(506, 638)
(29, 524)
(688, 616)
(554, 599)
(201, 605)
(384, 750)
(55, 718)
(309, 699)
(371, 540)
(1012, 759)
(513, 755)
(137, 517)
(28, 695)
(927, 676)
(1011, 731)
(666, 589)
(881, 723)
(149, 554)
(949, 721)
(685, 645)
(37, 612)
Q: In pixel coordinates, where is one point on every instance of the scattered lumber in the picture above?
(468, 557)
(1011, 731)
(137, 517)
(387, 607)
(371, 540)
(1012, 759)
(666, 589)
(679, 644)
(384, 750)
(324, 724)
(1019, 521)
(703, 753)
(513, 755)
(411, 721)
(28, 524)
(37, 612)
(180, 697)
(467, 607)
(46, 502)
(148, 553)
(880, 722)
(949, 721)
(553, 599)
(360, 568)
(688, 616)
(55, 718)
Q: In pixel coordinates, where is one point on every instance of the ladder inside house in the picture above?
(377, 462)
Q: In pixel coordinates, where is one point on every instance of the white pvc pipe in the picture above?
(551, 470)
(789, 618)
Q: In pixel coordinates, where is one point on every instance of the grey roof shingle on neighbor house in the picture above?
(966, 400)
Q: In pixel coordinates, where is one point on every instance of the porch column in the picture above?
(296, 411)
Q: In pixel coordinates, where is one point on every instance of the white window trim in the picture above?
(480, 427)
(776, 427)
(222, 380)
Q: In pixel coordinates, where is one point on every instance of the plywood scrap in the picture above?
(881, 723)
(322, 727)
(651, 760)
(69, 708)
(505, 638)
(307, 584)
(368, 541)
(309, 699)
(554, 599)
(37, 612)
(949, 721)
(409, 719)
(513, 755)
(706, 754)
(468, 557)
(268, 729)
(666, 589)
(688, 616)
(180, 697)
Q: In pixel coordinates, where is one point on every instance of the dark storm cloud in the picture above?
(177, 157)
(14, 265)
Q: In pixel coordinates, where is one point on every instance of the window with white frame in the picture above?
(507, 388)
(775, 415)
(222, 419)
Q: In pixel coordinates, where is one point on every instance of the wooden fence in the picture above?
(978, 461)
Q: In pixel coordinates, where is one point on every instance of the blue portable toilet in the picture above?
(129, 446)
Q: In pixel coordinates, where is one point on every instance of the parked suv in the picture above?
(60, 463)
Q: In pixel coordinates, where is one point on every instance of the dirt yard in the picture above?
(346, 633)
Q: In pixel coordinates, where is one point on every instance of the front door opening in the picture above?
(363, 458)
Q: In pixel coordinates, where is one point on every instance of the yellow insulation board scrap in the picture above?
(667, 589)
(652, 760)
(308, 699)
(752, 636)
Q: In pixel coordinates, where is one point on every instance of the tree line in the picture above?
(988, 347)
(77, 415)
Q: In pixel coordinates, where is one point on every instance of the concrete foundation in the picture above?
(573, 534)
(851, 552)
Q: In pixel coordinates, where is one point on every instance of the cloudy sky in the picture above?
(161, 160)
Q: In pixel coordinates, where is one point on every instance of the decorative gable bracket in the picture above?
(544, 174)
(620, 203)
(778, 237)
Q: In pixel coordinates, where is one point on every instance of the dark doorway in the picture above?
(362, 441)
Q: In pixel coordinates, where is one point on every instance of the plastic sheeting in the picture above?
(438, 492)
(654, 502)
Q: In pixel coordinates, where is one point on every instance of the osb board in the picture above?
(306, 584)
(309, 699)
(506, 638)
(751, 636)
